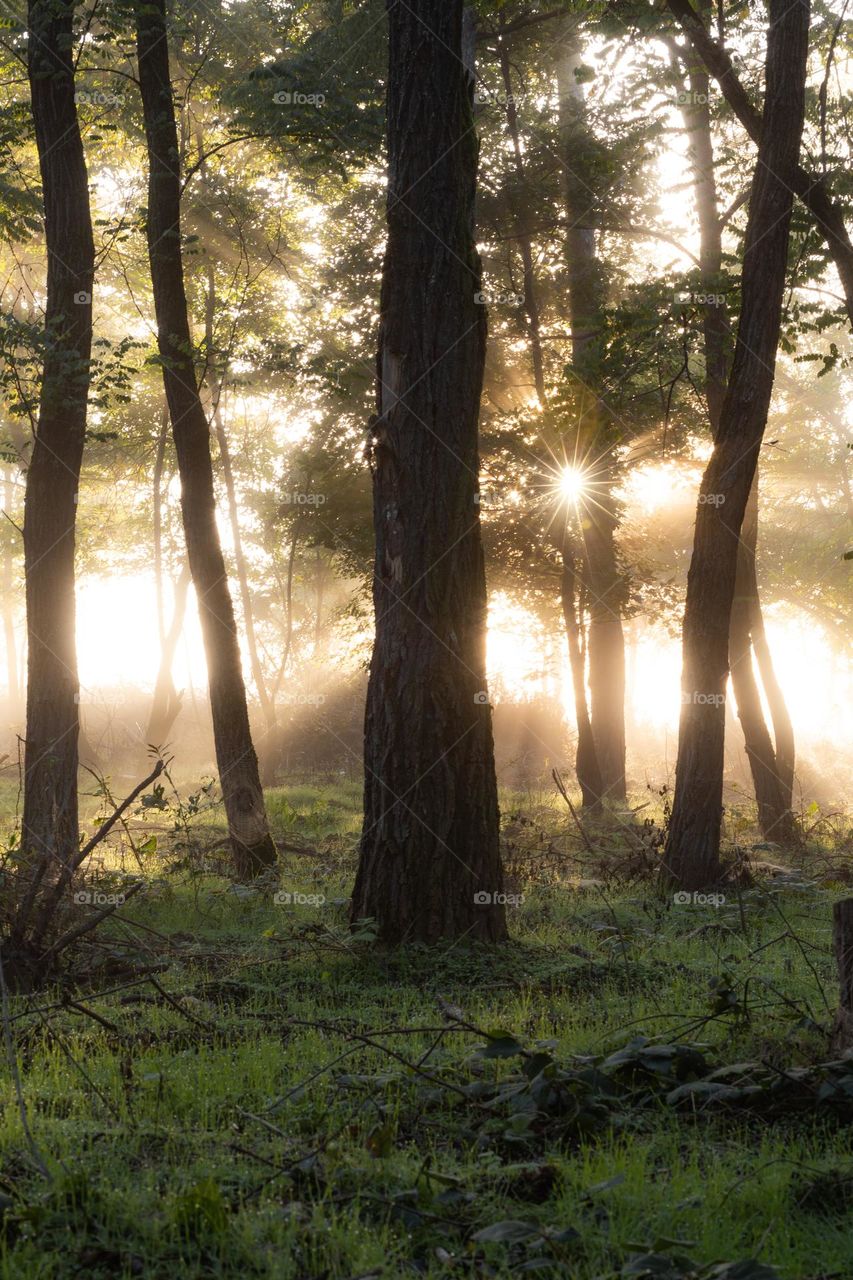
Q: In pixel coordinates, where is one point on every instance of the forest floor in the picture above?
(242, 1087)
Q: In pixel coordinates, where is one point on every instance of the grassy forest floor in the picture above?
(238, 1086)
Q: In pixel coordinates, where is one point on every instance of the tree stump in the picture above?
(842, 935)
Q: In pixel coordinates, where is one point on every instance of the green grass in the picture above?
(250, 1132)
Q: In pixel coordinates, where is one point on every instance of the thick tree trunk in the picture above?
(430, 862)
(691, 858)
(602, 578)
(253, 847)
(773, 798)
(50, 824)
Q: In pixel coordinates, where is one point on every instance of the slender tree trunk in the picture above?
(157, 510)
(783, 729)
(216, 389)
(7, 589)
(430, 863)
(811, 188)
(521, 210)
(253, 847)
(50, 823)
(586, 757)
(692, 852)
(166, 703)
(773, 799)
(603, 580)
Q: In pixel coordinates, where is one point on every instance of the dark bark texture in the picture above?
(771, 766)
(691, 857)
(430, 839)
(252, 844)
(50, 823)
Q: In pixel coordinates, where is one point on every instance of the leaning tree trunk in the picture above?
(430, 862)
(252, 844)
(592, 446)
(50, 822)
(691, 857)
(772, 795)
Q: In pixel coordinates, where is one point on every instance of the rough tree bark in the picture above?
(773, 793)
(429, 846)
(601, 575)
(251, 842)
(50, 821)
(691, 858)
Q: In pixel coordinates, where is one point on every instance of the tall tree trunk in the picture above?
(602, 578)
(252, 844)
(430, 863)
(216, 390)
(691, 857)
(773, 799)
(166, 702)
(521, 211)
(586, 757)
(7, 589)
(50, 822)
